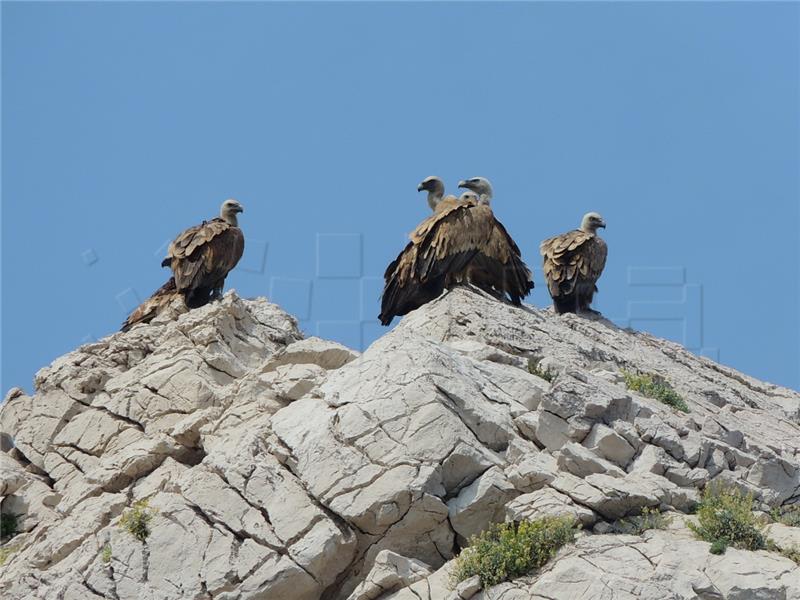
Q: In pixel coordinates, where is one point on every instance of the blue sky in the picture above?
(124, 123)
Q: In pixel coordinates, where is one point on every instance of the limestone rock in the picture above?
(609, 444)
(390, 572)
(547, 502)
(481, 503)
(274, 466)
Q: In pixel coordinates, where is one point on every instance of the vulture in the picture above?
(479, 185)
(435, 188)
(200, 258)
(462, 242)
(573, 262)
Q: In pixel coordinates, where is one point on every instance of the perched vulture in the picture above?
(461, 242)
(200, 258)
(573, 262)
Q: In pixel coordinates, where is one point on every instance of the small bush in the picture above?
(718, 546)
(656, 387)
(790, 515)
(508, 550)
(650, 518)
(105, 555)
(725, 518)
(535, 368)
(9, 525)
(136, 521)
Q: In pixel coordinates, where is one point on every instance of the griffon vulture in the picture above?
(200, 258)
(461, 240)
(573, 262)
(479, 185)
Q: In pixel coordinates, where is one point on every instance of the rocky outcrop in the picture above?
(280, 467)
(658, 565)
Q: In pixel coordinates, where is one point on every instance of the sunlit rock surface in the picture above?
(278, 467)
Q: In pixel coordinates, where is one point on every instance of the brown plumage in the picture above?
(461, 242)
(200, 258)
(573, 262)
(154, 305)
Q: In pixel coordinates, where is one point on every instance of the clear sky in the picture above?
(124, 123)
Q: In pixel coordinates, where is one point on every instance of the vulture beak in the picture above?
(420, 187)
(462, 184)
(239, 209)
(602, 224)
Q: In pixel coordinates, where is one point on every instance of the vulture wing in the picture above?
(202, 256)
(570, 257)
(498, 265)
(407, 285)
(154, 305)
(460, 240)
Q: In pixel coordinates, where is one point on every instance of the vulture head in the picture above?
(468, 196)
(479, 185)
(435, 188)
(591, 222)
(228, 211)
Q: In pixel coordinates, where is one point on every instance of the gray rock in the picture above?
(609, 444)
(278, 467)
(547, 503)
(389, 572)
(581, 461)
(481, 503)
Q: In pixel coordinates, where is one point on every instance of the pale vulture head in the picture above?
(479, 185)
(228, 211)
(591, 222)
(435, 188)
(469, 196)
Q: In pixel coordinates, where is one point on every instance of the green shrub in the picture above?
(790, 515)
(535, 368)
(656, 387)
(718, 547)
(105, 555)
(508, 550)
(725, 518)
(650, 518)
(136, 521)
(8, 525)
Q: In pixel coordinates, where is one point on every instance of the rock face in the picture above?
(278, 467)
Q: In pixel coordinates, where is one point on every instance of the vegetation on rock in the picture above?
(650, 518)
(725, 518)
(509, 550)
(136, 521)
(789, 515)
(535, 368)
(656, 387)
